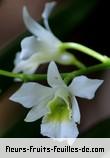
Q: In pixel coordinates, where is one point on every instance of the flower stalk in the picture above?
(84, 49)
(67, 76)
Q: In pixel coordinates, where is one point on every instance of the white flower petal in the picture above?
(53, 76)
(46, 13)
(31, 45)
(75, 111)
(17, 58)
(28, 47)
(34, 27)
(30, 65)
(31, 94)
(59, 130)
(26, 66)
(84, 87)
(48, 9)
(37, 30)
(38, 111)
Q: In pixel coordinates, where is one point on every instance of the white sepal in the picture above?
(84, 87)
(31, 94)
(46, 13)
(53, 76)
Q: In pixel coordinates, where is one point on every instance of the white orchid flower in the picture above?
(57, 104)
(40, 48)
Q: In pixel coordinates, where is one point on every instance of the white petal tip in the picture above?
(28, 119)
(25, 10)
(97, 83)
(52, 63)
(26, 17)
(48, 9)
(51, 4)
(12, 98)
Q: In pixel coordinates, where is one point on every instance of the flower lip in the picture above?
(59, 111)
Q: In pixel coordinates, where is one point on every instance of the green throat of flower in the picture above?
(59, 110)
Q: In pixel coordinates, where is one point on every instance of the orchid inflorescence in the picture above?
(56, 103)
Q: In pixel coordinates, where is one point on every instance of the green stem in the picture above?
(67, 76)
(91, 69)
(24, 77)
(78, 63)
(83, 49)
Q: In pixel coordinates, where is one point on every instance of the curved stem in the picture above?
(84, 49)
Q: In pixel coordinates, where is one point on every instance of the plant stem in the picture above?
(91, 69)
(67, 76)
(22, 76)
(83, 49)
(78, 63)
